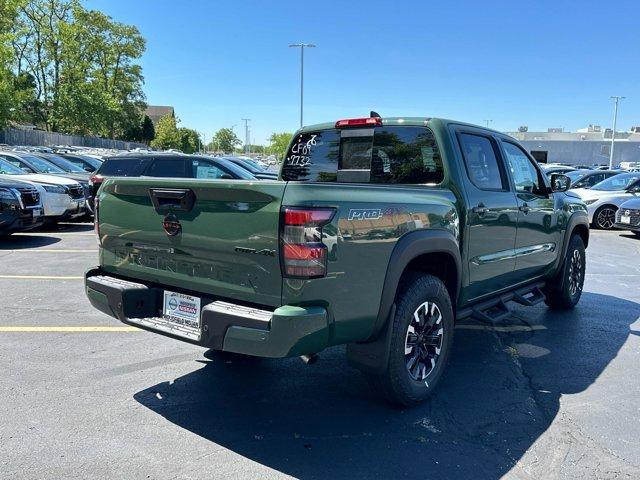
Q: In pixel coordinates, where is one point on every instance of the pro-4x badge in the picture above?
(171, 225)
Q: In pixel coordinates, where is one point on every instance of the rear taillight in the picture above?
(96, 179)
(303, 253)
(359, 122)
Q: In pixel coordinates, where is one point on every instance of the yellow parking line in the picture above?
(67, 329)
(39, 277)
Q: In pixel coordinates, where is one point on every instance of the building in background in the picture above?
(586, 146)
(156, 112)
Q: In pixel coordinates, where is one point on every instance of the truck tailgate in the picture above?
(226, 243)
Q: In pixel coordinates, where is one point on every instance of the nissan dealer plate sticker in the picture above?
(182, 310)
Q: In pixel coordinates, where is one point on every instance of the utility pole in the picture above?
(302, 47)
(246, 134)
(486, 122)
(616, 99)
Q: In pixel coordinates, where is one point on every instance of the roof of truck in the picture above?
(395, 121)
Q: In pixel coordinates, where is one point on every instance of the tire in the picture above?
(637, 234)
(605, 217)
(564, 291)
(413, 372)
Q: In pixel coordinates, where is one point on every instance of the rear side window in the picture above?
(481, 162)
(390, 155)
(167, 167)
(205, 169)
(406, 155)
(123, 167)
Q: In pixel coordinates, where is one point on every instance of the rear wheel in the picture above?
(605, 217)
(421, 339)
(565, 290)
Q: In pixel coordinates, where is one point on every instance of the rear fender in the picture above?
(372, 356)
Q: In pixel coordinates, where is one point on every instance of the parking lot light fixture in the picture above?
(302, 46)
(616, 100)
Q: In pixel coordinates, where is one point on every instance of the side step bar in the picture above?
(496, 309)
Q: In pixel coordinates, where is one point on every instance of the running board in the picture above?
(496, 309)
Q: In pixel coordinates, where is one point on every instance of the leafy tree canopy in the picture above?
(224, 140)
(278, 144)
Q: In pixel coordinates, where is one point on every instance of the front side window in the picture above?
(8, 168)
(525, 175)
(593, 179)
(481, 162)
(617, 182)
(390, 155)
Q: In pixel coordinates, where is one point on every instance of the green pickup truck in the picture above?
(379, 234)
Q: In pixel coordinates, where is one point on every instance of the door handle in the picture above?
(524, 208)
(481, 209)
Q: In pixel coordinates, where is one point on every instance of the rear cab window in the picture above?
(386, 155)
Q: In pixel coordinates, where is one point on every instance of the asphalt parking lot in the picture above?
(541, 395)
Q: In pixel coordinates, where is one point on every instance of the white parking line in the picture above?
(53, 234)
(40, 277)
(64, 329)
(51, 250)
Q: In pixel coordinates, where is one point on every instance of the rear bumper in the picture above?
(285, 332)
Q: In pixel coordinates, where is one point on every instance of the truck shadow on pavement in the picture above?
(500, 393)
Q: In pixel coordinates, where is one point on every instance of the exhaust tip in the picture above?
(309, 359)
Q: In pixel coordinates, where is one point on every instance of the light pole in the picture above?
(302, 47)
(487, 122)
(616, 99)
(246, 134)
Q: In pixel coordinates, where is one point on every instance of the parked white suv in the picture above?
(62, 198)
(604, 198)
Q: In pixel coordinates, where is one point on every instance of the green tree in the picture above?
(82, 65)
(100, 69)
(148, 130)
(189, 140)
(278, 144)
(167, 134)
(224, 140)
(8, 14)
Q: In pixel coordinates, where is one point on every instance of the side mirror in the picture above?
(89, 169)
(26, 170)
(226, 176)
(560, 182)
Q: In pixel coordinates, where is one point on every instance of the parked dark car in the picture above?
(86, 163)
(254, 168)
(628, 216)
(20, 207)
(167, 165)
(588, 178)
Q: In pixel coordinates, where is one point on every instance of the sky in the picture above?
(541, 64)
